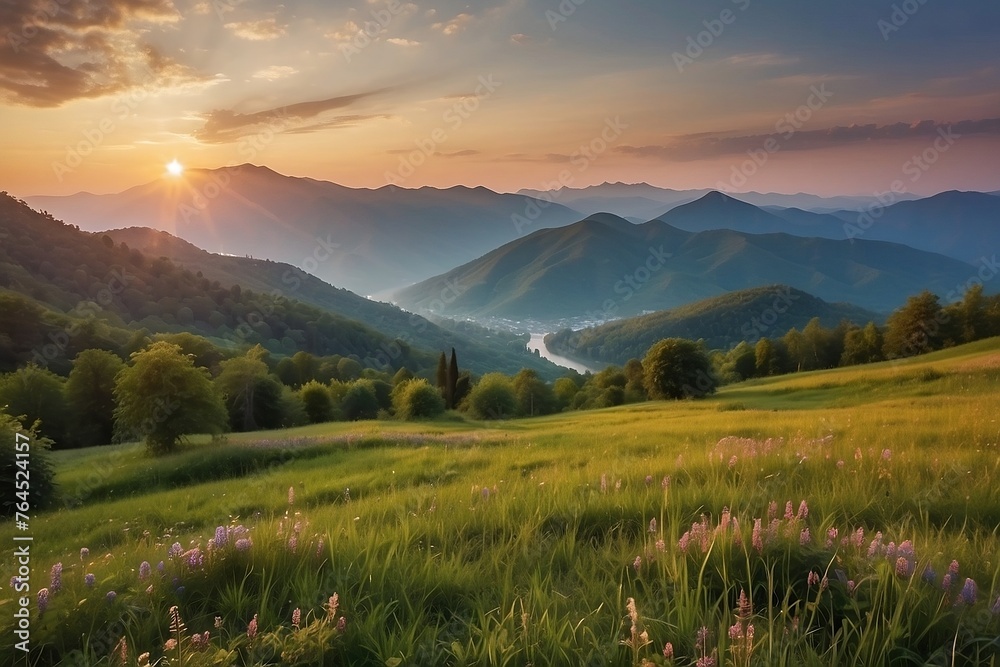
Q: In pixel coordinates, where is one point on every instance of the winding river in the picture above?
(537, 342)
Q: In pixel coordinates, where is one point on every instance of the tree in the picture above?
(972, 311)
(35, 394)
(162, 396)
(795, 347)
(316, 400)
(916, 328)
(441, 376)
(251, 393)
(862, 346)
(493, 397)
(452, 381)
(635, 388)
(348, 369)
(360, 401)
(765, 358)
(565, 389)
(676, 368)
(90, 392)
(417, 399)
(401, 376)
(16, 439)
(534, 396)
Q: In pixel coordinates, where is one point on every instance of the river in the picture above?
(537, 342)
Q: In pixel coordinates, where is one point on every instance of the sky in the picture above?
(740, 95)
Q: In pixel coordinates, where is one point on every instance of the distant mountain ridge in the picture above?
(365, 240)
(604, 267)
(722, 322)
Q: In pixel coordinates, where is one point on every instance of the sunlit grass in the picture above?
(459, 542)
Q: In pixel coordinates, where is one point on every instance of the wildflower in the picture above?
(341, 624)
(668, 651)
(661, 545)
(887, 454)
(890, 551)
(858, 538)
(89, 579)
(331, 606)
(121, 651)
(929, 576)
(757, 539)
(953, 568)
(486, 493)
(110, 597)
(144, 570)
(143, 659)
(736, 631)
(851, 587)
(733, 460)
(813, 578)
(970, 591)
(175, 550)
(291, 495)
(652, 525)
(243, 544)
(637, 564)
(218, 622)
(772, 510)
(789, 512)
(160, 567)
(743, 607)
(170, 645)
(55, 578)
(296, 618)
(200, 642)
(804, 537)
(857, 454)
(293, 542)
(876, 546)
(84, 553)
(684, 542)
(665, 483)
(903, 567)
(221, 537)
(15, 581)
(195, 558)
(702, 638)
(43, 600)
(649, 480)
(149, 589)
(725, 519)
(319, 548)
(252, 627)
(803, 510)
(840, 464)
(831, 537)
(946, 582)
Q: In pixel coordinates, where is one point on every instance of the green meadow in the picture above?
(856, 510)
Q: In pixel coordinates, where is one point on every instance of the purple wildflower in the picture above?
(195, 558)
(772, 510)
(831, 537)
(252, 628)
(803, 510)
(84, 553)
(668, 651)
(665, 483)
(652, 525)
(851, 586)
(946, 582)
(221, 536)
(890, 550)
(341, 624)
(637, 564)
(243, 544)
(144, 570)
(55, 578)
(43, 600)
(649, 480)
(953, 568)
(804, 537)
(789, 511)
(757, 539)
(110, 597)
(685, 542)
(331, 606)
(175, 550)
(296, 618)
(970, 591)
(812, 579)
(160, 567)
(840, 464)
(903, 567)
(702, 638)
(929, 576)
(887, 454)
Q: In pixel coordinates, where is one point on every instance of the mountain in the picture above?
(964, 225)
(480, 350)
(364, 240)
(604, 267)
(723, 321)
(640, 199)
(719, 211)
(63, 290)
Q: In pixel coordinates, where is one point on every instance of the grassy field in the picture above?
(856, 510)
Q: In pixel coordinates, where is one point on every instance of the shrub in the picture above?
(417, 399)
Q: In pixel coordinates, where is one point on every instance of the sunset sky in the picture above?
(100, 96)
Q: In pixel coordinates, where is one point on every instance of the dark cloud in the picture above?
(56, 51)
(226, 125)
(709, 145)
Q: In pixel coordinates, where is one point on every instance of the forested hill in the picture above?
(722, 322)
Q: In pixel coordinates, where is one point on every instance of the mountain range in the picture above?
(365, 240)
(605, 267)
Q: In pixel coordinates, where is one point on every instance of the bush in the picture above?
(493, 397)
(417, 399)
(38, 466)
(316, 402)
(360, 401)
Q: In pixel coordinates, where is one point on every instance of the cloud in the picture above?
(274, 72)
(709, 145)
(455, 25)
(225, 125)
(399, 41)
(55, 53)
(521, 39)
(257, 31)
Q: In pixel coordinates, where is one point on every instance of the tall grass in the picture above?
(460, 543)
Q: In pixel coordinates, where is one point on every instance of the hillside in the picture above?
(604, 267)
(722, 322)
(64, 290)
(364, 240)
(482, 350)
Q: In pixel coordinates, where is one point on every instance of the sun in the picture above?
(175, 168)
